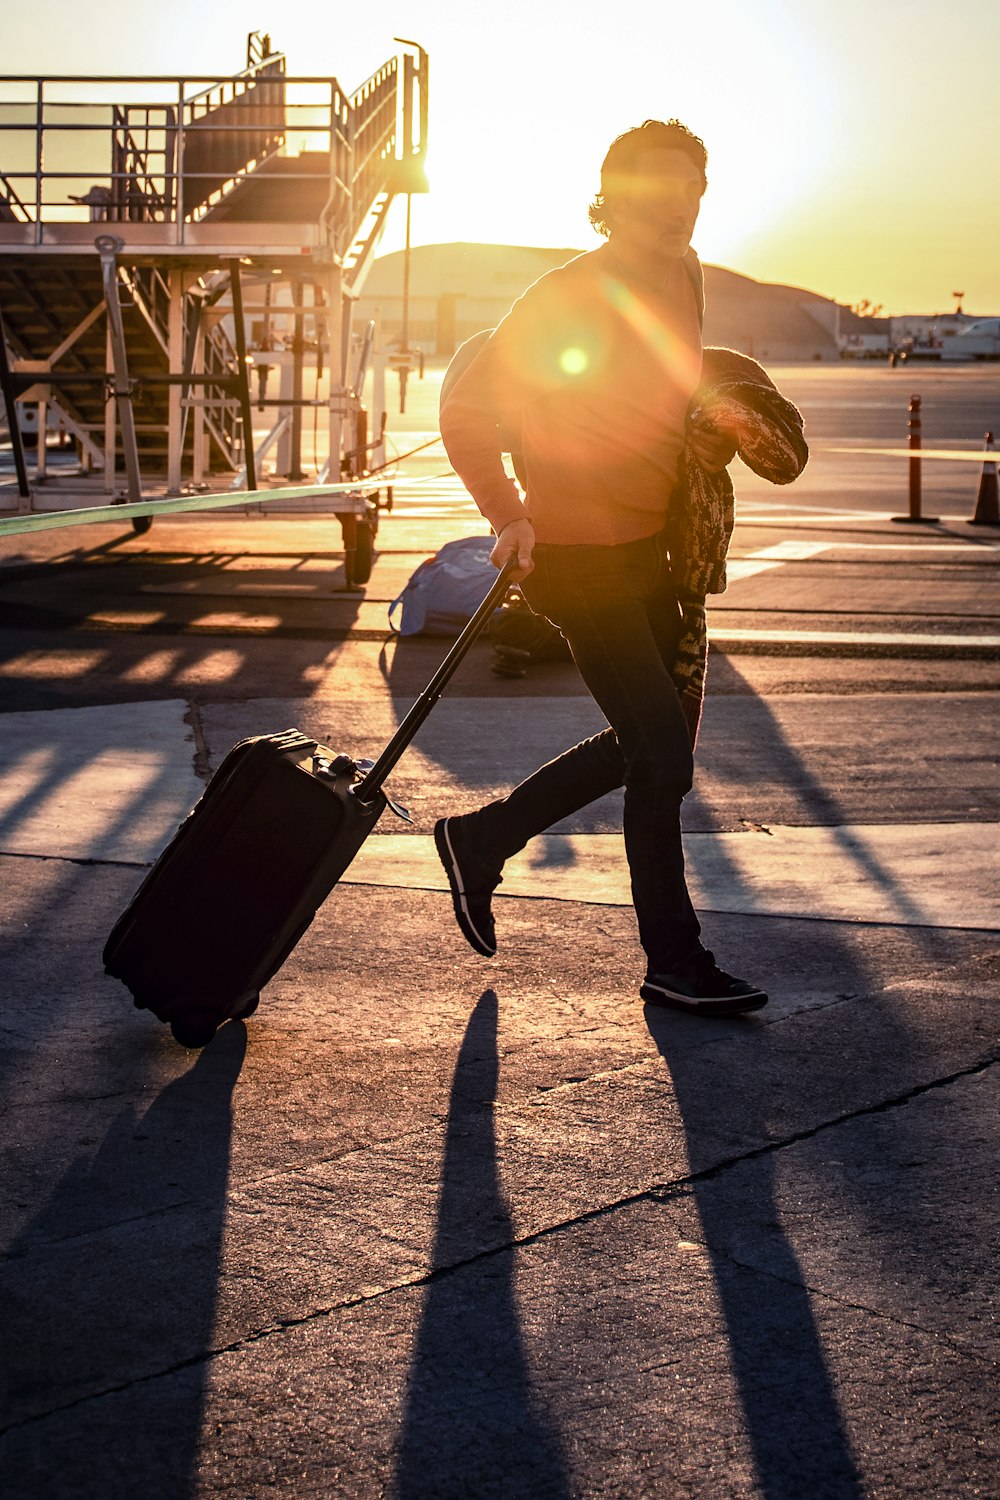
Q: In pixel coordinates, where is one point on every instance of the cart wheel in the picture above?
(248, 1009)
(364, 551)
(193, 1031)
(141, 524)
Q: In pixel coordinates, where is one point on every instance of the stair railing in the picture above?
(227, 130)
(363, 131)
(11, 207)
(139, 196)
(150, 291)
(222, 415)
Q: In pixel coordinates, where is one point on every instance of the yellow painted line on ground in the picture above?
(830, 519)
(960, 455)
(972, 545)
(990, 643)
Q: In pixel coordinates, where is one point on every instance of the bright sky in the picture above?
(853, 144)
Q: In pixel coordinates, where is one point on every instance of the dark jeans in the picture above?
(618, 611)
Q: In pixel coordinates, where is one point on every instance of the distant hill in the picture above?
(465, 268)
(768, 320)
(456, 289)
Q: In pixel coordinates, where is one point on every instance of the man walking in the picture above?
(593, 370)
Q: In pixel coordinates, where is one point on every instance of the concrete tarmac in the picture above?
(433, 1225)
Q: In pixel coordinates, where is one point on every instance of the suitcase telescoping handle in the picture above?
(366, 789)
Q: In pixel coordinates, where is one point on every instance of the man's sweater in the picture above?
(593, 371)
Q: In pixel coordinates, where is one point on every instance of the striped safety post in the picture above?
(914, 426)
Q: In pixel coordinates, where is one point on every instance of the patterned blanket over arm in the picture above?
(736, 394)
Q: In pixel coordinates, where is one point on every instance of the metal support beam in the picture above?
(193, 347)
(41, 456)
(10, 405)
(107, 248)
(71, 338)
(199, 439)
(110, 428)
(243, 373)
(335, 320)
(175, 356)
(298, 350)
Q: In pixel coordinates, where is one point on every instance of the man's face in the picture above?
(656, 210)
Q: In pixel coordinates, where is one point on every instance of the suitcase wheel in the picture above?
(193, 1030)
(247, 1009)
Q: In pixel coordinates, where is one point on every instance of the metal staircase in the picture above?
(284, 175)
(59, 307)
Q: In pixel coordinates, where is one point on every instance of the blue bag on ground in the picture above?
(446, 590)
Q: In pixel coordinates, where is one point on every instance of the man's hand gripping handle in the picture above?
(515, 544)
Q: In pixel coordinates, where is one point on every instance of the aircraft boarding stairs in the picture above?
(55, 307)
(126, 230)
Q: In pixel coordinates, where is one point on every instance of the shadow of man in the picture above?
(114, 1284)
(793, 1421)
(472, 1424)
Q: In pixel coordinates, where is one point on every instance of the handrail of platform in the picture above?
(275, 63)
(227, 152)
(193, 131)
(172, 159)
(370, 116)
(173, 80)
(141, 131)
(135, 194)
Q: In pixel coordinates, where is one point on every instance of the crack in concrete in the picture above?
(862, 1307)
(970, 961)
(18, 1107)
(902, 982)
(603, 1075)
(77, 859)
(897, 1101)
(545, 1095)
(808, 1010)
(202, 762)
(683, 1187)
(95, 1231)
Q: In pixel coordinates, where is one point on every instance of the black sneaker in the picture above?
(472, 884)
(698, 984)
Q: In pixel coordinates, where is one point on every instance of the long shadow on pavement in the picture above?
(793, 1421)
(472, 1425)
(115, 1282)
(741, 1085)
(33, 929)
(276, 635)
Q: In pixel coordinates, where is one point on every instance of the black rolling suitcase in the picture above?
(242, 878)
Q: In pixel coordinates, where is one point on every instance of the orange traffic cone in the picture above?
(987, 512)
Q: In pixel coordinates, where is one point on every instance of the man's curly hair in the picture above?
(619, 166)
